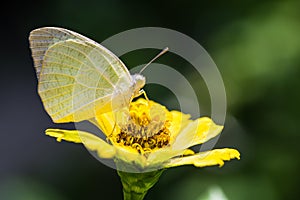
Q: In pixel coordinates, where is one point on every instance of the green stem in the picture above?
(136, 185)
(133, 196)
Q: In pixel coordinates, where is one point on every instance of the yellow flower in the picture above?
(149, 137)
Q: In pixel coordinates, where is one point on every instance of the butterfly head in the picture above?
(138, 83)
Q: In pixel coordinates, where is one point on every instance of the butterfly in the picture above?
(77, 77)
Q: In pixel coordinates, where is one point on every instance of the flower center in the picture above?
(144, 144)
(145, 127)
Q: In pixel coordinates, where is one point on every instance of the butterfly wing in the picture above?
(77, 76)
(42, 38)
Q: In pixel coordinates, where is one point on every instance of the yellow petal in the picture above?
(188, 152)
(196, 132)
(67, 135)
(130, 156)
(90, 141)
(106, 123)
(208, 158)
(178, 123)
(164, 154)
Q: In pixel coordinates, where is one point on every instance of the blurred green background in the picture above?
(256, 46)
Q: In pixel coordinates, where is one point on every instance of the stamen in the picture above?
(138, 147)
(144, 144)
(145, 129)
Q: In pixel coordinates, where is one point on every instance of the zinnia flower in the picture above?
(148, 137)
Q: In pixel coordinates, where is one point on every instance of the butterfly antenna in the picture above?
(157, 56)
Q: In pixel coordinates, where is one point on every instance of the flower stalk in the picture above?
(136, 185)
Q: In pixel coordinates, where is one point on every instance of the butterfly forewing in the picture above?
(77, 76)
(41, 39)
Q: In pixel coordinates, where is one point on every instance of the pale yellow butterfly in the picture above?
(78, 77)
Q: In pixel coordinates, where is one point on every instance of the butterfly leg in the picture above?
(142, 92)
(111, 134)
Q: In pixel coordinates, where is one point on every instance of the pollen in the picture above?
(144, 144)
(146, 128)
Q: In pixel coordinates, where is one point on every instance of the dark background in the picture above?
(256, 46)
